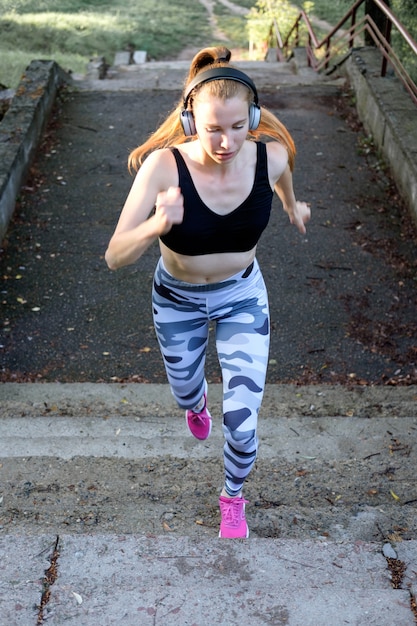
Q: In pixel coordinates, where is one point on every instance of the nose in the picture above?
(225, 140)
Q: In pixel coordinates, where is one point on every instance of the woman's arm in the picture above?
(298, 212)
(154, 186)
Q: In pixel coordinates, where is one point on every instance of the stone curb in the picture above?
(389, 115)
(21, 130)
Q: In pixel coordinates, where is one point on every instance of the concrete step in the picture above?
(162, 581)
(332, 463)
(110, 470)
(170, 75)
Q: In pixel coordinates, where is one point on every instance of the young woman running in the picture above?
(204, 187)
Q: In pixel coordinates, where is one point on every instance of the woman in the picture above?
(204, 188)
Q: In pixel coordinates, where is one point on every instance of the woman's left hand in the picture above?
(300, 216)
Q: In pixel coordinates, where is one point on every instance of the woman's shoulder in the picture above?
(159, 166)
(161, 155)
(159, 160)
(277, 159)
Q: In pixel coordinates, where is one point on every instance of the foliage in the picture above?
(329, 10)
(406, 10)
(260, 18)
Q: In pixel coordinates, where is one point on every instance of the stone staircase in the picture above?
(170, 75)
(71, 459)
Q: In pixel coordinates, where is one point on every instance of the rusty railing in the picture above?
(343, 37)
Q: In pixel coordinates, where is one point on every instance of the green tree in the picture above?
(260, 19)
(406, 12)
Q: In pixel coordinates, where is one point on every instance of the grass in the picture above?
(14, 62)
(234, 26)
(72, 31)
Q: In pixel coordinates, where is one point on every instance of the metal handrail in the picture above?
(275, 28)
(382, 41)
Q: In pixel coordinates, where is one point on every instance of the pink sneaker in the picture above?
(233, 524)
(199, 424)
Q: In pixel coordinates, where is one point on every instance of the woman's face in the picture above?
(222, 125)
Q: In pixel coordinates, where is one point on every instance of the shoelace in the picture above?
(197, 417)
(231, 512)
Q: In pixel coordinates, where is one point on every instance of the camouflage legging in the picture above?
(239, 306)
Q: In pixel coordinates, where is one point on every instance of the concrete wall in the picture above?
(21, 130)
(390, 116)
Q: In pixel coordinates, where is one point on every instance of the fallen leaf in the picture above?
(302, 472)
(394, 495)
(395, 537)
(77, 597)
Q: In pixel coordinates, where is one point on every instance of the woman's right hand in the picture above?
(169, 209)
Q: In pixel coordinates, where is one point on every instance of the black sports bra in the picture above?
(203, 231)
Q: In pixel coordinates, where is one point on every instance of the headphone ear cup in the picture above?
(254, 116)
(187, 123)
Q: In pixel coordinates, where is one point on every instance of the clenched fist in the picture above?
(169, 209)
(300, 215)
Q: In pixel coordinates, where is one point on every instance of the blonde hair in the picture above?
(171, 133)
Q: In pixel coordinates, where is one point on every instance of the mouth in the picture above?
(225, 156)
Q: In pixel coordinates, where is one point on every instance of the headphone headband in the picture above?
(218, 73)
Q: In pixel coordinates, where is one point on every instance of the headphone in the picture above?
(187, 118)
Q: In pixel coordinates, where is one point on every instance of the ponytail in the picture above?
(171, 133)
